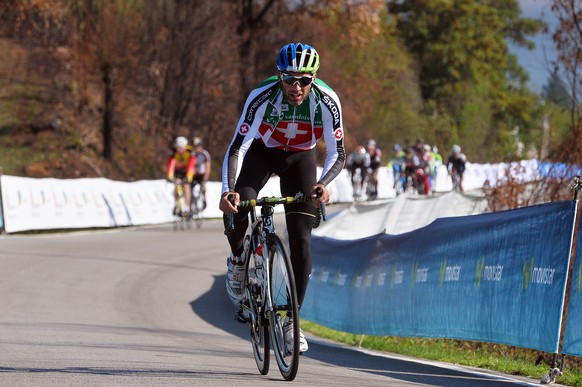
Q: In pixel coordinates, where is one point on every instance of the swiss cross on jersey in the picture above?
(293, 130)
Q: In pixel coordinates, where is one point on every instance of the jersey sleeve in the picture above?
(333, 134)
(246, 131)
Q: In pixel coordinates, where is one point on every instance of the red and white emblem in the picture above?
(339, 134)
(244, 129)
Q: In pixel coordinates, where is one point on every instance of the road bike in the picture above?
(271, 296)
(371, 186)
(357, 184)
(456, 179)
(181, 215)
(198, 203)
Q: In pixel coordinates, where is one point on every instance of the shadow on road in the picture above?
(215, 308)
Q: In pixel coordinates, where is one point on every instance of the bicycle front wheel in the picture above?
(258, 325)
(284, 307)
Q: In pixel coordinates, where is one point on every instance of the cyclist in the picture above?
(426, 164)
(202, 167)
(395, 163)
(282, 120)
(438, 161)
(456, 165)
(358, 160)
(410, 166)
(375, 159)
(180, 169)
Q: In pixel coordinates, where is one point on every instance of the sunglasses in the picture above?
(289, 79)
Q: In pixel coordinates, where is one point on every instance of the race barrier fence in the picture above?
(497, 277)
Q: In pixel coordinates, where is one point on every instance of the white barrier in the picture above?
(40, 204)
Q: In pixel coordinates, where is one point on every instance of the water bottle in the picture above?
(259, 262)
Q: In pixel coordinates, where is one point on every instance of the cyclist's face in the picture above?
(295, 92)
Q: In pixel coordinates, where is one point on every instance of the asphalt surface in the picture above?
(147, 307)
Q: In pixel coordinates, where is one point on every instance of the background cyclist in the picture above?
(202, 166)
(396, 164)
(282, 120)
(180, 169)
(456, 165)
(358, 161)
(375, 160)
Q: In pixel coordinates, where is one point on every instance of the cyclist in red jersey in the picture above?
(282, 120)
(180, 170)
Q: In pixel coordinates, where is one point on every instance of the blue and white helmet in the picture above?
(299, 58)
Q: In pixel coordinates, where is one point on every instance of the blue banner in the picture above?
(573, 332)
(497, 277)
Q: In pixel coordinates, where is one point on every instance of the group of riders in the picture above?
(187, 166)
(414, 168)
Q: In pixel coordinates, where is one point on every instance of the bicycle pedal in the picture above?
(240, 316)
(241, 319)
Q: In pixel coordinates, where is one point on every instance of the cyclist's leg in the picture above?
(187, 195)
(299, 176)
(254, 175)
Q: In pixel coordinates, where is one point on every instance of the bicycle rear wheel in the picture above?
(258, 324)
(284, 302)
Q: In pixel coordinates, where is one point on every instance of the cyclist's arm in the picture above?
(246, 131)
(333, 134)
(207, 166)
(171, 166)
(190, 168)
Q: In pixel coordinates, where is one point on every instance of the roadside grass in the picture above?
(495, 357)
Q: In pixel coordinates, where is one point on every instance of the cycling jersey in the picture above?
(375, 158)
(202, 158)
(457, 162)
(181, 165)
(270, 119)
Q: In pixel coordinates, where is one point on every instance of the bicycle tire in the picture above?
(284, 304)
(258, 325)
(197, 205)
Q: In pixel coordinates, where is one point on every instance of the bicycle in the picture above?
(357, 184)
(456, 179)
(180, 213)
(371, 186)
(271, 296)
(198, 203)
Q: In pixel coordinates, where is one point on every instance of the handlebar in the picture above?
(273, 201)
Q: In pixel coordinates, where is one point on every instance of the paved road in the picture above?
(147, 307)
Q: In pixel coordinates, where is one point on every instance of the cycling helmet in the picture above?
(371, 144)
(426, 148)
(180, 142)
(456, 149)
(197, 141)
(360, 150)
(397, 148)
(298, 57)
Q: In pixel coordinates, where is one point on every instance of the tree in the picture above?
(460, 48)
(568, 39)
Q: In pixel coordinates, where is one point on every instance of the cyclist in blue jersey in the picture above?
(282, 120)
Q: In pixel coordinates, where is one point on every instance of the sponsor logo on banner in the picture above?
(419, 274)
(483, 272)
(244, 129)
(339, 134)
(537, 275)
(449, 273)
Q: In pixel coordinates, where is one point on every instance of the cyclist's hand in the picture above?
(226, 206)
(318, 199)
